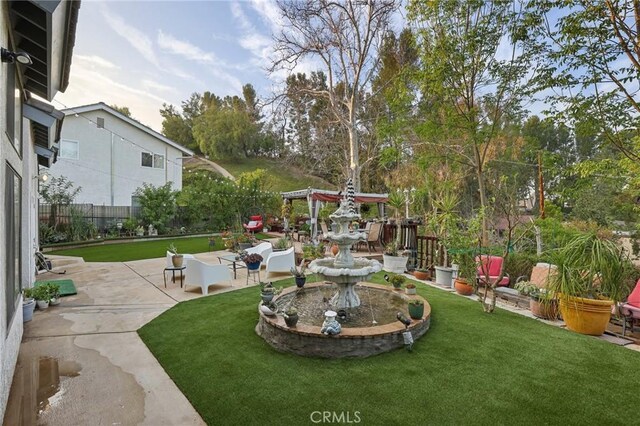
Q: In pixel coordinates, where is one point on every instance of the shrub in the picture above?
(520, 265)
(158, 204)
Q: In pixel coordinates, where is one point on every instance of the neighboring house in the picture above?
(29, 131)
(110, 155)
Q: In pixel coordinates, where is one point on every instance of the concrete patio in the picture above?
(82, 362)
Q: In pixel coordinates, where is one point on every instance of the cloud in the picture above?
(136, 38)
(154, 85)
(88, 85)
(96, 61)
(185, 49)
(269, 12)
(240, 17)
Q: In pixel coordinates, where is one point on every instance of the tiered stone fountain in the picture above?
(367, 328)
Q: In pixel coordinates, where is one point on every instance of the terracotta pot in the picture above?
(586, 316)
(545, 310)
(463, 288)
(421, 275)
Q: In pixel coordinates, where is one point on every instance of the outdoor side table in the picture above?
(236, 263)
(173, 270)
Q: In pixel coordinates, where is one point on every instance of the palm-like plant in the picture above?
(591, 267)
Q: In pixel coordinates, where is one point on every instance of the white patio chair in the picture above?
(203, 275)
(281, 261)
(263, 249)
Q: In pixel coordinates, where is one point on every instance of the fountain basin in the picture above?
(361, 270)
(307, 340)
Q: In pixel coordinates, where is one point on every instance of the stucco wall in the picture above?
(93, 169)
(11, 334)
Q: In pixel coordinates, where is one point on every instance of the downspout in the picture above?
(112, 173)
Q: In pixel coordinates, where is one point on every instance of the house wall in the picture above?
(108, 168)
(22, 163)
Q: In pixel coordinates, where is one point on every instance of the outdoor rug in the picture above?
(67, 288)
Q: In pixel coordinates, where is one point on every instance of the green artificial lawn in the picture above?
(470, 368)
(136, 250)
(67, 287)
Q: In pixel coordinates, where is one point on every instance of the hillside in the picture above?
(285, 177)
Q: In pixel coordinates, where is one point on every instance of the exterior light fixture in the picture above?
(11, 57)
(42, 177)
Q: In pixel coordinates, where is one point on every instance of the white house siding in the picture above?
(10, 334)
(92, 171)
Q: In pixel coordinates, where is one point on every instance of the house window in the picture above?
(152, 160)
(158, 161)
(69, 149)
(13, 242)
(147, 159)
(100, 123)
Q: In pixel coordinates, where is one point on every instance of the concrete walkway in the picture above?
(82, 362)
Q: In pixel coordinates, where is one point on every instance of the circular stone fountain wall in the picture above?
(306, 339)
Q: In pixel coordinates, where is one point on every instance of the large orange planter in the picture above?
(586, 316)
(463, 288)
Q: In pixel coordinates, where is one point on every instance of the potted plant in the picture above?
(291, 317)
(252, 260)
(589, 279)
(41, 294)
(397, 281)
(282, 244)
(422, 274)
(54, 293)
(410, 289)
(28, 304)
(442, 223)
(466, 278)
(393, 259)
(176, 258)
(244, 241)
(267, 292)
(542, 303)
(140, 231)
(299, 275)
(416, 309)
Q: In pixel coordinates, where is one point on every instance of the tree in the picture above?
(122, 110)
(58, 192)
(470, 92)
(591, 59)
(158, 204)
(344, 37)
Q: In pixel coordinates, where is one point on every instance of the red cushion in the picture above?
(634, 297)
(256, 218)
(492, 263)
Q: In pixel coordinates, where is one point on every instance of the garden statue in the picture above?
(330, 326)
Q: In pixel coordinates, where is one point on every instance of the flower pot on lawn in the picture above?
(545, 309)
(177, 260)
(462, 287)
(421, 275)
(396, 264)
(586, 316)
(443, 276)
(28, 305)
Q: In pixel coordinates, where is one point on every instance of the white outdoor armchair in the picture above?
(263, 249)
(281, 261)
(203, 275)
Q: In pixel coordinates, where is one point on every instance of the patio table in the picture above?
(235, 262)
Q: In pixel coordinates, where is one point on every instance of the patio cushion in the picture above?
(252, 224)
(257, 218)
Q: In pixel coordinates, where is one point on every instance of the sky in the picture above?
(141, 54)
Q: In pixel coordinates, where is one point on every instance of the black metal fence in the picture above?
(102, 217)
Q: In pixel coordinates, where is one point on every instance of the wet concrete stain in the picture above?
(37, 380)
